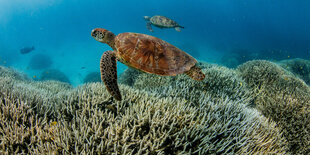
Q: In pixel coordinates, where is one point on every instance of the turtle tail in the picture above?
(195, 73)
(109, 74)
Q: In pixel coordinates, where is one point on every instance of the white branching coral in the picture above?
(283, 97)
(87, 120)
(300, 68)
(219, 80)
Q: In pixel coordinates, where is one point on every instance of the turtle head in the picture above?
(147, 18)
(103, 35)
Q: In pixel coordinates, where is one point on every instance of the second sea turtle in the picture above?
(161, 22)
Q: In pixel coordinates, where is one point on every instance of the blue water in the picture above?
(61, 30)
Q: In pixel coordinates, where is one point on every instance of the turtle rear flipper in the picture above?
(149, 26)
(195, 73)
(109, 73)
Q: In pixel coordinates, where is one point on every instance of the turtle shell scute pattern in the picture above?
(152, 55)
(163, 21)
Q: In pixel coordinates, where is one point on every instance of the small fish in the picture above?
(53, 123)
(83, 67)
(26, 50)
(34, 76)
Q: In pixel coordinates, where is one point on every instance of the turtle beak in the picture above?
(99, 34)
(93, 33)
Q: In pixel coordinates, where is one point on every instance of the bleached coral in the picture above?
(87, 120)
(281, 96)
(300, 67)
(218, 80)
(13, 74)
(43, 97)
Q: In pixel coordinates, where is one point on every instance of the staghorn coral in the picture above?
(13, 74)
(260, 72)
(281, 96)
(218, 80)
(300, 67)
(20, 127)
(36, 94)
(51, 86)
(87, 121)
(146, 124)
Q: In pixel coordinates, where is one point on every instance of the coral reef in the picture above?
(37, 119)
(219, 80)
(13, 74)
(300, 67)
(276, 92)
(54, 74)
(40, 61)
(129, 76)
(92, 77)
(284, 98)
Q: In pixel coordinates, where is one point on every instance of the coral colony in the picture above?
(257, 108)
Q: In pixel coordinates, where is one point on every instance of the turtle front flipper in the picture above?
(195, 73)
(109, 73)
(149, 26)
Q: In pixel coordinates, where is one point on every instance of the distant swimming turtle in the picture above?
(142, 52)
(161, 22)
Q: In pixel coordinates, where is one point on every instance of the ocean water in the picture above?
(246, 107)
(220, 32)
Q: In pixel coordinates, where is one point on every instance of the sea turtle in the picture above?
(142, 52)
(161, 22)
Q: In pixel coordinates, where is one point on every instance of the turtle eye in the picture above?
(101, 35)
(93, 33)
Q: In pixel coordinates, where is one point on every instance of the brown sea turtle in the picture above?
(161, 22)
(145, 53)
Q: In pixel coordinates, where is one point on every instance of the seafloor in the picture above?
(257, 108)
